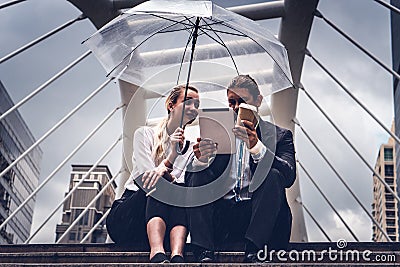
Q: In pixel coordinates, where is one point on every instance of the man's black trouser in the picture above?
(264, 220)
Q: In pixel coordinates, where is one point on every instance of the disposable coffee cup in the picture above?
(247, 112)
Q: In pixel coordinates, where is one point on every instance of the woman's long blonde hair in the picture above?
(161, 135)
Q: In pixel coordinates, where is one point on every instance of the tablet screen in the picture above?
(217, 124)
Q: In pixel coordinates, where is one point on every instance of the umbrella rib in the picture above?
(215, 40)
(172, 20)
(187, 26)
(202, 29)
(223, 44)
(230, 33)
(110, 27)
(183, 55)
(232, 28)
(215, 22)
(137, 46)
(135, 14)
(210, 24)
(186, 29)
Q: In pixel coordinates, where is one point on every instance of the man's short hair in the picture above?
(245, 81)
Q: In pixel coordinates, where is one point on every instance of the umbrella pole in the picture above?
(194, 40)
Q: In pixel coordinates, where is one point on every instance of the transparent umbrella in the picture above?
(188, 37)
(162, 43)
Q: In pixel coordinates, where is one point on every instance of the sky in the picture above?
(364, 20)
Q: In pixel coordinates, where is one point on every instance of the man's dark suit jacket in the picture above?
(283, 148)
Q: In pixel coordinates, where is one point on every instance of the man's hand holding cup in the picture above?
(246, 125)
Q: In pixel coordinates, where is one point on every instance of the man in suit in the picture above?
(255, 211)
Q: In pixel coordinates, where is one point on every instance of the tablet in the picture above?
(217, 124)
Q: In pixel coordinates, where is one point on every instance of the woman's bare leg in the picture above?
(156, 232)
(177, 240)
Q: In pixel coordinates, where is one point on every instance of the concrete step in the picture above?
(298, 254)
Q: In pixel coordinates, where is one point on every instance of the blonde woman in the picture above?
(155, 157)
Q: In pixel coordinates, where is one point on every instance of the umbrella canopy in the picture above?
(153, 45)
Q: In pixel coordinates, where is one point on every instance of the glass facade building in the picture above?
(18, 183)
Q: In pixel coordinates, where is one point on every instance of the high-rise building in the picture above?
(20, 181)
(384, 206)
(81, 198)
(395, 30)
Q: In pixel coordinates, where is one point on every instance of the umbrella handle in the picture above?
(195, 34)
(185, 148)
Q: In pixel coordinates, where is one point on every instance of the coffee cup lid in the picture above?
(247, 106)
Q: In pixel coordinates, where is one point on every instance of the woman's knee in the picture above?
(178, 230)
(156, 222)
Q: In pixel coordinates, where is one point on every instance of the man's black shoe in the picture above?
(204, 256)
(159, 258)
(177, 259)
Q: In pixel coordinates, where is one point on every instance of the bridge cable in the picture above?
(395, 137)
(98, 195)
(44, 85)
(374, 58)
(55, 126)
(95, 226)
(50, 176)
(342, 180)
(10, 3)
(327, 201)
(391, 7)
(351, 145)
(314, 220)
(74, 188)
(41, 38)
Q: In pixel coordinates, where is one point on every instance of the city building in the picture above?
(395, 30)
(384, 206)
(20, 181)
(81, 198)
